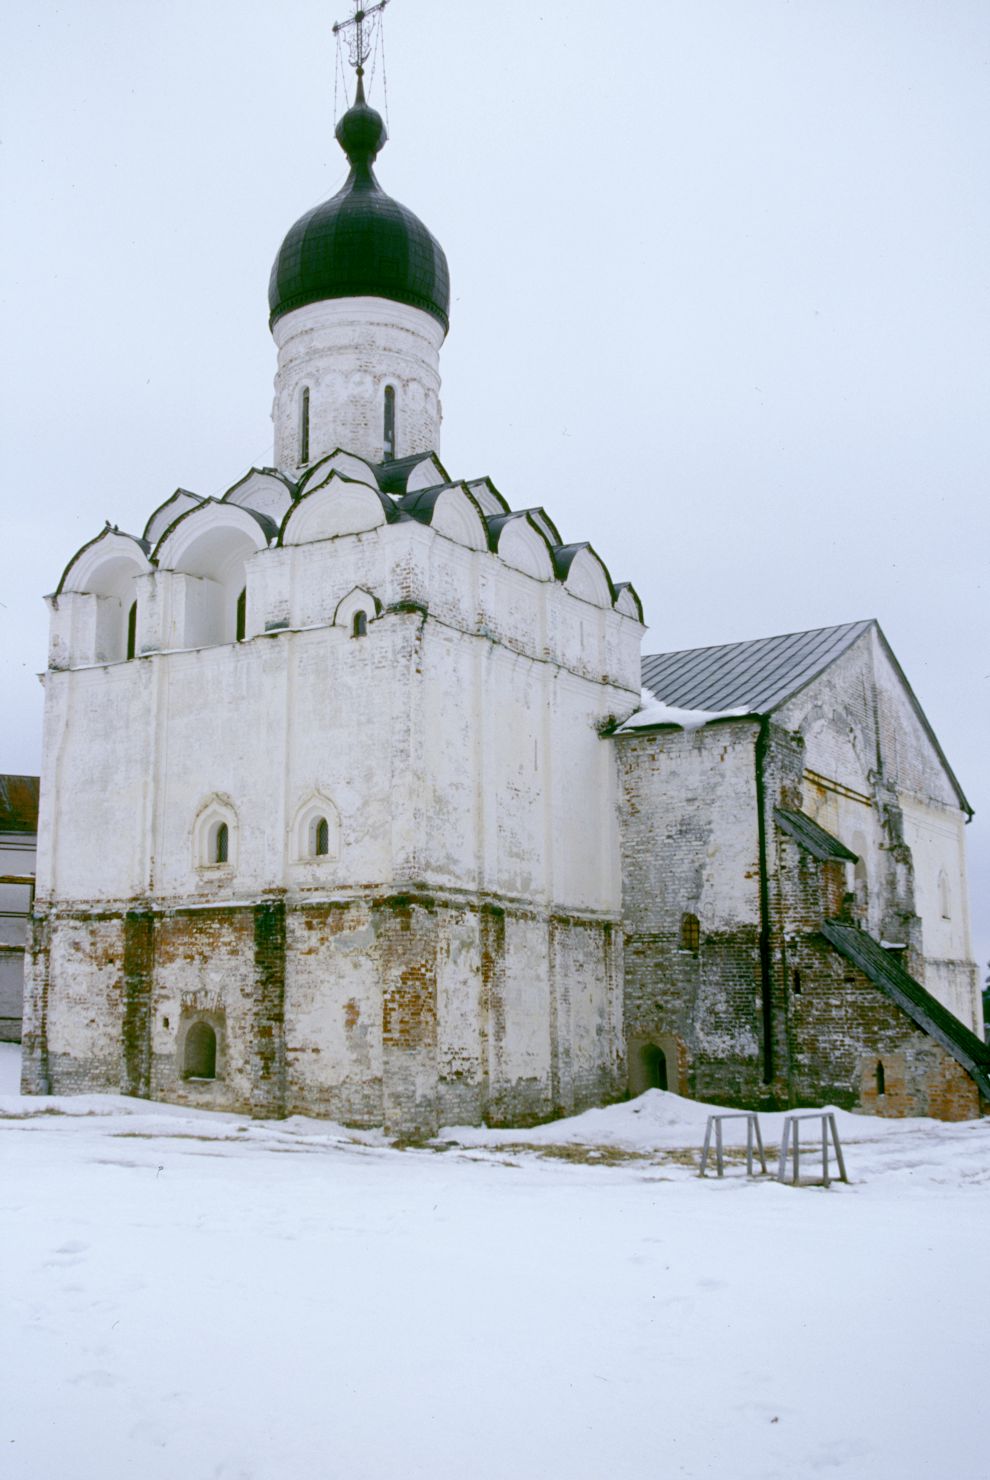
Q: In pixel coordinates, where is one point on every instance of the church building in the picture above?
(359, 801)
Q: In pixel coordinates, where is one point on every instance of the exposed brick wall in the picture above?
(268, 1010)
(691, 843)
(841, 1026)
(408, 1011)
(138, 964)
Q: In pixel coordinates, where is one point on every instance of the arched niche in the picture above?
(201, 1045)
(627, 601)
(94, 605)
(451, 512)
(584, 574)
(356, 601)
(345, 464)
(106, 566)
(337, 507)
(518, 540)
(264, 491)
(215, 836)
(315, 835)
(426, 474)
(486, 495)
(210, 547)
(180, 502)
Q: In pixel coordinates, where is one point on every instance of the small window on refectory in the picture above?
(690, 933)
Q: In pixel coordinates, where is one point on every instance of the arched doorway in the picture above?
(653, 1065)
(199, 1059)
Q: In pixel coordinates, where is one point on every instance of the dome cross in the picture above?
(358, 39)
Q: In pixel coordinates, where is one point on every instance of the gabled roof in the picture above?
(753, 676)
(758, 677)
(19, 804)
(870, 957)
(812, 838)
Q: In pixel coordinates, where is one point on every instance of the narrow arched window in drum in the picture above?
(304, 425)
(388, 441)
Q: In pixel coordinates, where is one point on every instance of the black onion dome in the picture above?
(360, 242)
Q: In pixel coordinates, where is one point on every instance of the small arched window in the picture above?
(944, 897)
(359, 626)
(796, 980)
(690, 933)
(221, 844)
(881, 1079)
(304, 425)
(241, 624)
(199, 1060)
(132, 630)
(388, 440)
(321, 838)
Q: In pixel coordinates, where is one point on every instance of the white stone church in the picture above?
(341, 813)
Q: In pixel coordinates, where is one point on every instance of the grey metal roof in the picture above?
(814, 839)
(757, 677)
(870, 957)
(754, 676)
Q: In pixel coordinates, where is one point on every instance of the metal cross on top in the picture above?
(358, 32)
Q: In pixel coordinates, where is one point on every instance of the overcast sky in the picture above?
(720, 296)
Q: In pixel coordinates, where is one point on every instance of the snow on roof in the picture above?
(654, 713)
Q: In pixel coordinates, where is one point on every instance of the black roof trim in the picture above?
(812, 838)
(179, 493)
(393, 475)
(420, 504)
(496, 523)
(392, 511)
(302, 485)
(621, 586)
(108, 529)
(565, 555)
(268, 527)
(275, 473)
(870, 957)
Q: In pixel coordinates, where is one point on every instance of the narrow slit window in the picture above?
(132, 630)
(796, 980)
(881, 1079)
(242, 615)
(322, 838)
(690, 933)
(304, 425)
(359, 627)
(221, 845)
(389, 437)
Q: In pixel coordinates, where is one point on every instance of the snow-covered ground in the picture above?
(201, 1296)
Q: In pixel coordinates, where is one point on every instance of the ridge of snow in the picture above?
(654, 712)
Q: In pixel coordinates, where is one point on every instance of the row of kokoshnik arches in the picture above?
(207, 545)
